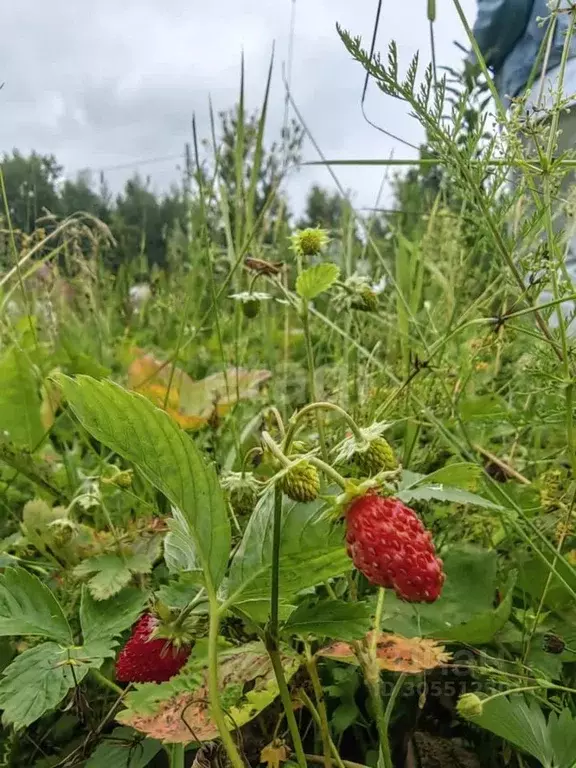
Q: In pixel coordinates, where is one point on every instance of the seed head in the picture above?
(377, 457)
(301, 483)
(469, 705)
(309, 242)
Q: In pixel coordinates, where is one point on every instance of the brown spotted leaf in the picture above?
(185, 716)
(395, 653)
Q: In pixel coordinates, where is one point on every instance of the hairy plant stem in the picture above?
(286, 462)
(276, 659)
(213, 688)
(322, 405)
(272, 632)
(175, 755)
(305, 318)
(377, 620)
(320, 704)
(373, 683)
(106, 683)
(318, 720)
(273, 627)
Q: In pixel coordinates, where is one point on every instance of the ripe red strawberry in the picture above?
(389, 545)
(145, 660)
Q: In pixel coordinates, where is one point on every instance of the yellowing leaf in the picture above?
(191, 403)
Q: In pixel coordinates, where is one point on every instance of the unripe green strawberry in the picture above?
(251, 308)
(309, 242)
(242, 488)
(365, 300)
(378, 457)
(469, 705)
(301, 483)
(243, 500)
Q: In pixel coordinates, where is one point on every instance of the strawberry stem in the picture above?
(213, 688)
(320, 704)
(175, 755)
(272, 633)
(322, 405)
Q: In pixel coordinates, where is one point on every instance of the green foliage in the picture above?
(523, 724)
(38, 679)
(310, 553)
(124, 747)
(166, 456)
(105, 620)
(330, 618)
(315, 280)
(20, 402)
(112, 572)
(28, 607)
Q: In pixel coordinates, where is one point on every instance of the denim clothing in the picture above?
(510, 37)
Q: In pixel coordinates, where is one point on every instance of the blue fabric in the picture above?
(510, 37)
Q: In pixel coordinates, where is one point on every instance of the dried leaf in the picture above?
(396, 653)
(185, 717)
(191, 403)
(275, 753)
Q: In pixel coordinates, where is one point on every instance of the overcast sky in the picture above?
(113, 83)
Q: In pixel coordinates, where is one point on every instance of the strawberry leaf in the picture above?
(124, 747)
(113, 573)
(315, 280)
(103, 621)
(520, 723)
(179, 550)
(330, 618)
(147, 436)
(311, 551)
(28, 607)
(37, 680)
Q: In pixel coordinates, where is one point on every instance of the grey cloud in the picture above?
(113, 83)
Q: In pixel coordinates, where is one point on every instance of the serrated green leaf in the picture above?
(179, 550)
(465, 611)
(144, 698)
(311, 551)
(102, 621)
(112, 575)
(178, 593)
(462, 475)
(315, 280)
(145, 435)
(37, 680)
(440, 492)
(522, 724)
(330, 618)
(124, 748)
(562, 731)
(28, 607)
